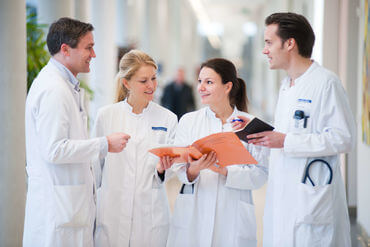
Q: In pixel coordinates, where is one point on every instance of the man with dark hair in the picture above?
(291, 25)
(66, 31)
(60, 207)
(306, 200)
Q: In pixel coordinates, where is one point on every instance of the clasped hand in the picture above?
(165, 163)
(206, 161)
(117, 142)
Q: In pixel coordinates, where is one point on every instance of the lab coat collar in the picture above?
(212, 114)
(286, 82)
(66, 73)
(128, 107)
(233, 115)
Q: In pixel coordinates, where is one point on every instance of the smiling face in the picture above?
(142, 85)
(211, 89)
(274, 48)
(78, 59)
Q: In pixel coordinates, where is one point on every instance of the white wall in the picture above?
(363, 182)
(103, 68)
(363, 150)
(348, 72)
(13, 80)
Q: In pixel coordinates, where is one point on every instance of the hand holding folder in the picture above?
(228, 148)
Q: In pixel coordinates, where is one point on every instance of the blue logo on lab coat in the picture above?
(305, 100)
(159, 128)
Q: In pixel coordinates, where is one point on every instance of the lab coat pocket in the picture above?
(159, 136)
(183, 210)
(314, 224)
(160, 208)
(99, 207)
(246, 223)
(301, 120)
(109, 205)
(160, 217)
(109, 202)
(71, 206)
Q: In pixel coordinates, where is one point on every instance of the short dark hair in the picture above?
(66, 31)
(292, 25)
(227, 72)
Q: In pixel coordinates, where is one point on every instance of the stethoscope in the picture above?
(307, 169)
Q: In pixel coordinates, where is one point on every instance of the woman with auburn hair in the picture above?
(215, 206)
(132, 206)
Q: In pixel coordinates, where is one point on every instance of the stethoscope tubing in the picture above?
(307, 175)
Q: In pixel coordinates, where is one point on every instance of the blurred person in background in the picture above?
(178, 95)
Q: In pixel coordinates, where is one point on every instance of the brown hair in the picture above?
(66, 31)
(292, 25)
(227, 71)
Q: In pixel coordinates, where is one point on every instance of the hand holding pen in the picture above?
(239, 123)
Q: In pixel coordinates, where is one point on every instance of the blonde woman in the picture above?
(132, 207)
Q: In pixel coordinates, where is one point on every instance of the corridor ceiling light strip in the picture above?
(203, 19)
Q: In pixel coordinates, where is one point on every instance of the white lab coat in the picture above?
(132, 206)
(220, 211)
(298, 214)
(60, 207)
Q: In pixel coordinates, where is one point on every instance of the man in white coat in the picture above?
(313, 123)
(60, 208)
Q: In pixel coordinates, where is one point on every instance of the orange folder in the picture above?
(227, 146)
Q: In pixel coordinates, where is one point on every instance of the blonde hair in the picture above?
(129, 64)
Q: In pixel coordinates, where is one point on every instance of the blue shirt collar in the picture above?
(66, 73)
